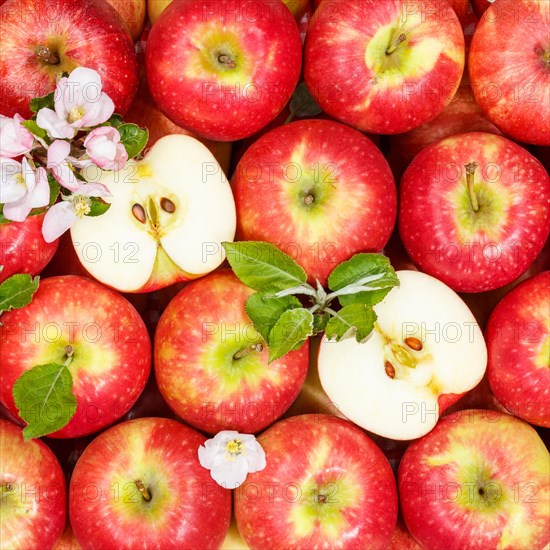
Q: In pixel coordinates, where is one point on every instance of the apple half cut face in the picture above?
(425, 351)
(169, 214)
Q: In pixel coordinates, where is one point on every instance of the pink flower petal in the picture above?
(55, 126)
(58, 219)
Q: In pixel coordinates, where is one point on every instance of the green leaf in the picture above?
(54, 188)
(45, 400)
(302, 103)
(356, 319)
(97, 207)
(290, 332)
(362, 275)
(115, 121)
(320, 321)
(35, 129)
(17, 291)
(264, 311)
(262, 266)
(40, 102)
(133, 138)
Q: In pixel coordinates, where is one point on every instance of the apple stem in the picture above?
(393, 46)
(45, 54)
(227, 61)
(69, 354)
(250, 349)
(471, 168)
(142, 489)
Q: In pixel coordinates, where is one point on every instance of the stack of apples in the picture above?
(417, 129)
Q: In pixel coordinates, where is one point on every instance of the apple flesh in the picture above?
(133, 13)
(77, 33)
(384, 67)
(319, 190)
(32, 489)
(23, 248)
(326, 485)
(111, 350)
(223, 69)
(212, 366)
(518, 339)
(425, 351)
(142, 481)
(480, 479)
(169, 214)
(472, 231)
(513, 88)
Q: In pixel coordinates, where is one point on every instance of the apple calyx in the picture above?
(248, 350)
(471, 168)
(46, 55)
(227, 61)
(145, 494)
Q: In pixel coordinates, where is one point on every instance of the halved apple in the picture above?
(169, 214)
(425, 352)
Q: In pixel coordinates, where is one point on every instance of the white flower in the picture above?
(79, 103)
(64, 214)
(15, 140)
(22, 188)
(104, 148)
(231, 456)
(60, 164)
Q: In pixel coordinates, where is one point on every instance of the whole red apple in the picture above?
(480, 479)
(211, 365)
(326, 485)
(223, 69)
(23, 248)
(474, 211)
(384, 67)
(96, 332)
(511, 77)
(142, 482)
(518, 341)
(133, 13)
(319, 190)
(87, 33)
(32, 489)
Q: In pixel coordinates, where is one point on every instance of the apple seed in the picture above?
(413, 343)
(167, 205)
(390, 370)
(139, 213)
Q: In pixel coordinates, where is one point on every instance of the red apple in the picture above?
(211, 365)
(476, 231)
(518, 340)
(111, 350)
(384, 67)
(142, 482)
(32, 489)
(480, 479)
(511, 78)
(87, 33)
(326, 485)
(402, 538)
(319, 190)
(144, 112)
(23, 248)
(133, 13)
(223, 69)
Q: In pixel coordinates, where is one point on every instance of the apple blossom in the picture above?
(64, 214)
(22, 188)
(59, 162)
(104, 148)
(15, 140)
(79, 103)
(231, 456)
